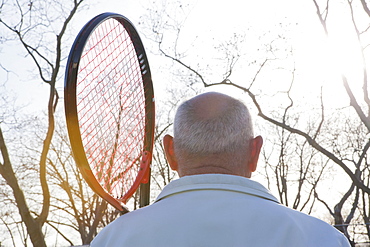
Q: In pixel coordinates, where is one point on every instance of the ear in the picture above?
(255, 149)
(170, 152)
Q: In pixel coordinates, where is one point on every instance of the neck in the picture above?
(205, 168)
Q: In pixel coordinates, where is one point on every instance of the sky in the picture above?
(205, 20)
(208, 21)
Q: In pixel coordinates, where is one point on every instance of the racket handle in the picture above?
(144, 194)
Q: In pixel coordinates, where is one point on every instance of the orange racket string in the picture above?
(111, 108)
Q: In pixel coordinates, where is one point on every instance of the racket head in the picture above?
(109, 107)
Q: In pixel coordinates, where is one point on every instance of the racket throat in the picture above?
(145, 166)
(145, 182)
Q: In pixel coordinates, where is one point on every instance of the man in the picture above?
(214, 203)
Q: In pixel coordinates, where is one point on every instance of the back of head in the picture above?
(212, 127)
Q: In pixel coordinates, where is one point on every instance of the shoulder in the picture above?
(311, 229)
(127, 229)
(115, 231)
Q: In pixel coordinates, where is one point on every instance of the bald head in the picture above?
(212, 133)
(210, 105)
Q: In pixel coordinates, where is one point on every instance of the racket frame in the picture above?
(70, 101)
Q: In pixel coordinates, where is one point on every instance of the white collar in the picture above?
(216, 182)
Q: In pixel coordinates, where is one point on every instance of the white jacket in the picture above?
(218, 210)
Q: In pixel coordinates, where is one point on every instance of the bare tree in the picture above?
(292, 169)
(35, 29)
(357, 143)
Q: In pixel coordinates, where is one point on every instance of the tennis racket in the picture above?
(109, 107)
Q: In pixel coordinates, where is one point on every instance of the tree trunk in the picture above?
(33, 227)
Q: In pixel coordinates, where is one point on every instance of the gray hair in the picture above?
(226, 133)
